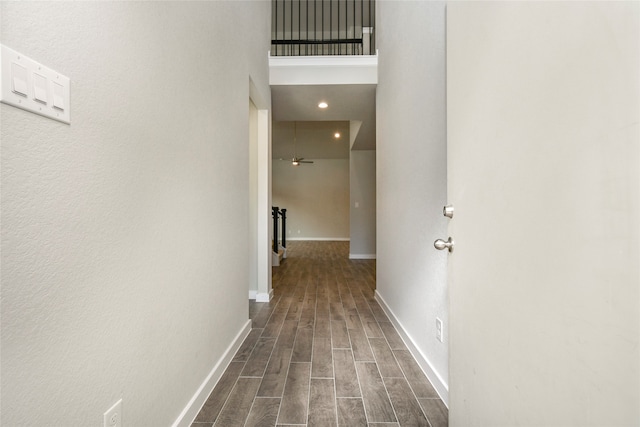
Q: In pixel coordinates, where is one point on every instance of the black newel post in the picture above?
(283, 213)
(274, 213)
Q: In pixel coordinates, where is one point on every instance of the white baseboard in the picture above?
(252, 294)
(442, 388)
(264, 297)
(320, 239)
(362, 256)
(190, 412)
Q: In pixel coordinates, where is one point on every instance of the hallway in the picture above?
(322, 353)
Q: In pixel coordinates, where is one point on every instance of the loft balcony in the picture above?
(323, 28)
(325, 50)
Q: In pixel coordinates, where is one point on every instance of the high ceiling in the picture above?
(316, 126)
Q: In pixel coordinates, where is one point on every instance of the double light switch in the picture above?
(31, 86)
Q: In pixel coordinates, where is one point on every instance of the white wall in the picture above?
(316, 197)
(411, 174)
(363, 192)
(253, 199)
(124, 235)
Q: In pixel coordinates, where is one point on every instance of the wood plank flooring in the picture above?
(322, 353)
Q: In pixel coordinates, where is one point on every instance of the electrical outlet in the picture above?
(113, 416)
(439, 329)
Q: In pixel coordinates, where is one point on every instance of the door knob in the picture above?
(441, 244)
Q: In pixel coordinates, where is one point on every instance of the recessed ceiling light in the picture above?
(336, 135)
(323, 105)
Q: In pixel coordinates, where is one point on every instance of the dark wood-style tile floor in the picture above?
(322, 353)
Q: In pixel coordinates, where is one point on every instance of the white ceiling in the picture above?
(299, 103)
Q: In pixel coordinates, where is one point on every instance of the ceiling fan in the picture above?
(295, 161)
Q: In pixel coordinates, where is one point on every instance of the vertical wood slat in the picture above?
(237, 407)
(407, 409)
(346, 378)
(264, 412)
(351, 412)
(295, 400)
(322, 403)
(376, 401)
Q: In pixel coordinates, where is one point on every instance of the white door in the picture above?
(543, 173)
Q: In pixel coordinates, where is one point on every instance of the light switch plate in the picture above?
(29, 85)
(439, 334)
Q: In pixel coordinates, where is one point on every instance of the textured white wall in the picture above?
(253, 197)
(124, 235)
(316, 197)
(363, 191)
(411, 170)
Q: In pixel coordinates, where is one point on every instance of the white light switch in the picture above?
(29, 85)
(19, 79)
(58, 96)
(40, 88)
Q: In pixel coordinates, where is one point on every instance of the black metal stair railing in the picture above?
(322, 27)
(276, 214)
